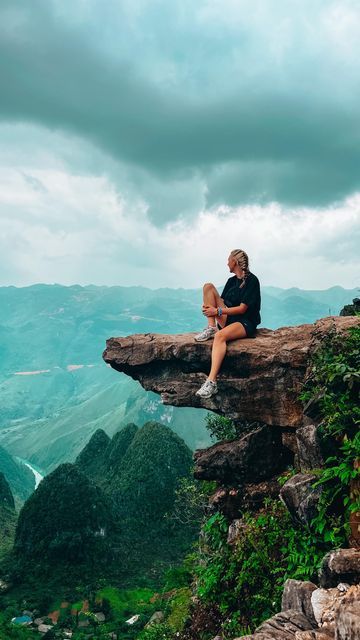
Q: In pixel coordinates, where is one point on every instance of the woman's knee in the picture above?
(208, 285)
(219, 337)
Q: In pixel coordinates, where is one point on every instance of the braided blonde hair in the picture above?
(242, 260)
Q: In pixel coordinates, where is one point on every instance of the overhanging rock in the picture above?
(260, 379)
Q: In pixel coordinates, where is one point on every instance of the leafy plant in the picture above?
(334, 383)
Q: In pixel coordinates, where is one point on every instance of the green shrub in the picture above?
(334, 383)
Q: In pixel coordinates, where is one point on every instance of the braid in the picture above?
(243, 261)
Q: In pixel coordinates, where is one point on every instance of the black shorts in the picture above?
(249, 327)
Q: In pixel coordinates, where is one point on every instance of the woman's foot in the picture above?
(208, 389)
(205, 334)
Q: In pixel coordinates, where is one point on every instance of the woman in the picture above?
(236, 312)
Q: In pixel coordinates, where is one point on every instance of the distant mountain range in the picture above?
(55, 390)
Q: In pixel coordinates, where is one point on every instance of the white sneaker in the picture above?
(206, 334)
(208, 389)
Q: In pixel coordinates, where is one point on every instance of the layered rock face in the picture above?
(260, 378)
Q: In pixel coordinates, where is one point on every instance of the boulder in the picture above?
(254, 494)
(328, 604)
(308, 448)
(341, 565)
(260, 379)
(324, 602)
(328, 633)
(255, 457)
(347, 623)
(236, 527)
(100, 616)
(156, 618)
(300, 497)
(228, 501)
(283, 626)
(297, 596)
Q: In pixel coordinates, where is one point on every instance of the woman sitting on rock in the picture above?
(233, 315)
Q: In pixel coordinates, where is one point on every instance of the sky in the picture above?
(143, 140)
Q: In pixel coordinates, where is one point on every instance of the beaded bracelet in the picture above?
(219, 312)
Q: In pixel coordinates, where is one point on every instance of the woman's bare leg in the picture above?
(211, 297)
(231, 332)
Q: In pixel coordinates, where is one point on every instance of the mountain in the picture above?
(101, 459)
(19, 478)
(55, 390)
(139, 469)
(67, 523)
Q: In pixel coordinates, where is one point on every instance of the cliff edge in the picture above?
(260, 379)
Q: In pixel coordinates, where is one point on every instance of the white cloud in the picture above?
(80, 229)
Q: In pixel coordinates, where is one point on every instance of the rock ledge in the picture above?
(260, 379)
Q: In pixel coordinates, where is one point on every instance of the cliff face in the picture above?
(260, 378)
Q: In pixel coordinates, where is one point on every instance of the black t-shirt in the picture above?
(233, 295)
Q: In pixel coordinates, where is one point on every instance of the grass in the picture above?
(127, 602)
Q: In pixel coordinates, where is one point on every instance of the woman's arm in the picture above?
(229, 311)
(234, 311)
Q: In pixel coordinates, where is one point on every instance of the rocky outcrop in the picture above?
(351, 309)
(300, 497)
(297, 595)
(342, 565)
(260, 378)
(309, 612)
(283, 626)
(256, 456)
(308, 448)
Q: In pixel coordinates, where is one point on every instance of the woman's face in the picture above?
(231, 263)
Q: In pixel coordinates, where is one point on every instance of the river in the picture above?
(38, 476)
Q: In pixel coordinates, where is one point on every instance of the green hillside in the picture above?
(66, 524)
(19, 478)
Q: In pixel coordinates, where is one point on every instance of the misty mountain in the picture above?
(55, 390)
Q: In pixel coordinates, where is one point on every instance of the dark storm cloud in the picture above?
(268, 133)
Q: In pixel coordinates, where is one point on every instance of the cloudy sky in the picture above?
(142, 140)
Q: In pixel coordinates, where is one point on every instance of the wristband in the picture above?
(219, 312)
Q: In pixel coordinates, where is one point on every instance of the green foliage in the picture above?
(7, 530)
(178, 609)
(220, 427)
(9, 631)
(334, 383)
(162, 631)
(245, 579)
(67, 523)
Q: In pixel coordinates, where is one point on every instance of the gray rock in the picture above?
(284, 625)
(100, 616)
(347, 624)
(297, 596)
(256, 456)
(300, 497)
(324, 602)
(156, 618)
(308, 448)
(341, 565)
(327, 633)
(235, 528)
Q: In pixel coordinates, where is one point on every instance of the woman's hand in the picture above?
(209, 311)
